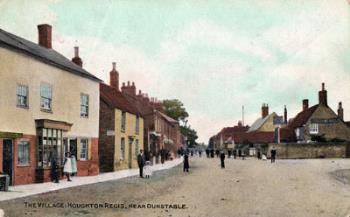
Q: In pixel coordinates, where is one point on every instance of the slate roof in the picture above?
(255, 137)
(167, 118)
(259, 122)
(302, 117)
(42, 54)
(115, 99)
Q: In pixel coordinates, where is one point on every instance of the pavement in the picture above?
(20, 191)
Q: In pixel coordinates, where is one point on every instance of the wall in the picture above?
(308, 150)
(17, 68)
(106, 143)
(129, 131)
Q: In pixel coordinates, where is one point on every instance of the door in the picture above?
(73, 147)
(8, 158)
(130, 151)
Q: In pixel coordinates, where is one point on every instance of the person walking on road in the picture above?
(222, 159)
(273, 155)
(212, 153)
(186, 163)
(67, 169)
(141, 162)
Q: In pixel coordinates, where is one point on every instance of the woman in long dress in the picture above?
(67, 169)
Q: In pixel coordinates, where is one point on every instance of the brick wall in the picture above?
(309, 150)
(90, 167)
(1, 155)
(106, 143)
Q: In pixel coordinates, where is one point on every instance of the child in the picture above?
(147, 169)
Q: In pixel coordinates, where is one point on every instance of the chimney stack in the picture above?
(114, 77)
(340, 111)
(322, 96)
(45, 35)
(264, 110)
(305, 104)
(76, 59)
(129, 89)
(285, 114)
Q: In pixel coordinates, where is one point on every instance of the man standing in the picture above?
(273, 155)
(140, 162)
(222, 159)
(186, 163)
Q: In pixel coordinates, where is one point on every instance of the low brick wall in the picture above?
(309, 150)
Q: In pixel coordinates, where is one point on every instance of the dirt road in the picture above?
(245, 188)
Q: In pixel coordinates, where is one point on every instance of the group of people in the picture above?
(144, 166)
(69, 167)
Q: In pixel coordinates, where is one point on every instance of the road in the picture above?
(245, 188)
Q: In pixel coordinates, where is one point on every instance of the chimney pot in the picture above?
(322, 86)
(114, 65)
(76, 59)
(322, 96)
(128, 83)
(114, 77)
(123, 84)
(76, 51)
(340, 111)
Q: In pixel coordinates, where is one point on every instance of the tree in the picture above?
(175, 109)
(190, 134)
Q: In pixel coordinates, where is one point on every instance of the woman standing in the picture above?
(67, 169)
(186, 163)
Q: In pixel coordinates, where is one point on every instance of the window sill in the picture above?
(22, 106)
(23, 165)
(86, 117)
(46, 110)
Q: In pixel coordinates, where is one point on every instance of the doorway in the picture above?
(7, 154)
(130, 151)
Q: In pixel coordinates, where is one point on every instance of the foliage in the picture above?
(190, 134)
(175, 109)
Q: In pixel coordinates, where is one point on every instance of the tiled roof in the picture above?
(115, 99)
(167, 118)
(144, 108)
(302, 117)
(259, 122)
(48, 56)
(255, 137)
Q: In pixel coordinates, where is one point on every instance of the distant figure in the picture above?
(273, 155)
(217, 152)
(148, 170)
(207, 152)
(200, 153)
(74, 165)
(239, 153)
(263, 157)
(212, 153)
(191, 153)
(67, 169)
(162, 156)
(222, 159)
(259, 155)
(234, 154)
(141, 162)
(186, 163)
(229, 153)
(178, 152)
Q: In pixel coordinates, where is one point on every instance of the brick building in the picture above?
(320, 121)
(227, 138)
(49, 105)
(121, 128)
(162, 136)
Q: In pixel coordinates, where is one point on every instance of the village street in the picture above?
(250, 187)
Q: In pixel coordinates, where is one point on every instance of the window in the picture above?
(84, 144)
(137, 128)
(23, 153)
(136, 148)
(122, 149)
(313, 128)
(49, 146)
(84, 105)
(123, 122)
(22, 96)
(46, 97)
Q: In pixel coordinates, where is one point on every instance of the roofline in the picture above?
(44, 60)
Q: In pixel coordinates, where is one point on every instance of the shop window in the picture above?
(49, 146)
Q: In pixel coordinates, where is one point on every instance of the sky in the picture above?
(215, 56)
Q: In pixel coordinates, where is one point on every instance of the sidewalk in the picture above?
(32, 189)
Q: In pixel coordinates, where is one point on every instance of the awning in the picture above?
(53, 124)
